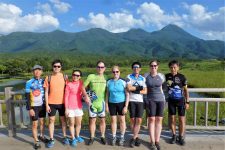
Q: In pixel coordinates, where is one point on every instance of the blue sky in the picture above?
(202, 18)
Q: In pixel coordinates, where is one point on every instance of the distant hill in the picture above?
(170, 41)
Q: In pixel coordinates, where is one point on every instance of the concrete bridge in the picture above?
(195, 140)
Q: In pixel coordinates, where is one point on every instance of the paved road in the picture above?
(196, 140)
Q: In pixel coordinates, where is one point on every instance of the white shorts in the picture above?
(75, 112)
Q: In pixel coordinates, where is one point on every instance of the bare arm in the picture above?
(186, 95)
(87, 99)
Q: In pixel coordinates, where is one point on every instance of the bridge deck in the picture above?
(195, 140)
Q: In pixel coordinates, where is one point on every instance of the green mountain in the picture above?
(170, 41)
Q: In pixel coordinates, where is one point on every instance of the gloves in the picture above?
(138, 89)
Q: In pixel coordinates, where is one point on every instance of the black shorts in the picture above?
(55, 107)
(136, 109)
(40, 112)
(155, 108)
(116, 108)
(173, 106)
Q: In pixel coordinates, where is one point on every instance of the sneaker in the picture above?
(157, 145)
(132, 143)
(37, 145)
(91, 141)
(173, 139)
(74, 142)
(137, 142)
(80, 139)
(43, 139)
(103, 141)
(181, 140)
(152, 146)
(114, 141)
(66, 141)
(50, 143)
(121, 142)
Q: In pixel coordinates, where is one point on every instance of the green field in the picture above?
(200, 74)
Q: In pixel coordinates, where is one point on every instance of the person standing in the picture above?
(155, 103)
(136, 87)
(178, 100)
(54, 95)
(97, 84)
(117, 99)
(34, 93)
(73, 105)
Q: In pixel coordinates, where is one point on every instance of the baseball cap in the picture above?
(37, 67)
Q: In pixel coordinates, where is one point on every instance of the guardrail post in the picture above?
(206, 113)
(195, 113)
(217, 113)
(1, 121)
(10, 112)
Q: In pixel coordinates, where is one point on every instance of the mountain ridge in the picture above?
(170, 41)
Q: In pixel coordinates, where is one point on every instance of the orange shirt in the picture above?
(57, 85)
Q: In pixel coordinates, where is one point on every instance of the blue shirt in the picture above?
(36, 91)
(116, 89)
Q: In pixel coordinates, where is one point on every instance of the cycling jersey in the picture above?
(116, 90)
(97, 84)
(34, 92)
(139, 81)
(175, 86)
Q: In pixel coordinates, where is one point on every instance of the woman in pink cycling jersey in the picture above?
(73, 105)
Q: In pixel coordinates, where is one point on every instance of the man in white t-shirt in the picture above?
(136, 87)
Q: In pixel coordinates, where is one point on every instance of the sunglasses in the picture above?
(153, 66)
(76, 75)
(57, 66)
(115, 71)
(135, 67)
(100, 67)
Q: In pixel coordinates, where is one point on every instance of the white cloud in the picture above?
(115, 22)
(152, 14)
(211, 24)
(45, 9)
(61, 7)
(9, 11)
(11, 20)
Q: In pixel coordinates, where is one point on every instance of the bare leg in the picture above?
(42, 126)
(158, 128)
(63, 122)
(72, 127)
(92, 126)
(34, 130)
(182, 123)
(113, 124)
(173, 124)
(78, 125)
(102, 126)
(51, 126)
(137, 126)
(152, 129)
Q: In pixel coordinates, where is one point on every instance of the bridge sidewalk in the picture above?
(196, 140)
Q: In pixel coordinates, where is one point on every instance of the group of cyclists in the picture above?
(102, 94)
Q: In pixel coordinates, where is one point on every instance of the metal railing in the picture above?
(11, 119)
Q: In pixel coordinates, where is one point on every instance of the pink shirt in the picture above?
(73, 95)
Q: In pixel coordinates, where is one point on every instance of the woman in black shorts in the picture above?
(116, 103)
(155, 103)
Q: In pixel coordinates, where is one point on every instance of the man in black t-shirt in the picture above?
(177, 100)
